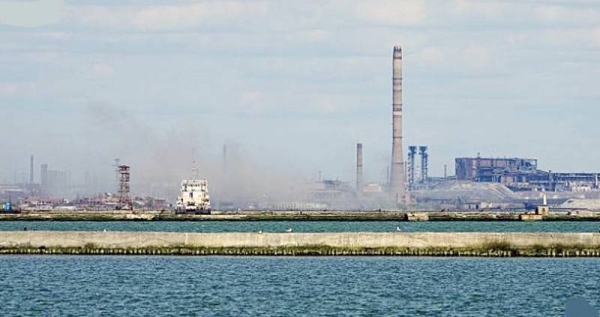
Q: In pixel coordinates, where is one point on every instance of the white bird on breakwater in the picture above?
(398, 229)
(289, 230)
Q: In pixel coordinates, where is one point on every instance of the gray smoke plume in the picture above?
(159, 160)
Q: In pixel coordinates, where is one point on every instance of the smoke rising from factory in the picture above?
(161, 158)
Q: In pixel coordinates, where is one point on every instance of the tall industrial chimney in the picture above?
(359, 168)
(397, 186)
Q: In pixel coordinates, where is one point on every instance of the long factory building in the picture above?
(522, 174)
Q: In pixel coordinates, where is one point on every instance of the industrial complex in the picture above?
(522, 174)
(478, 183)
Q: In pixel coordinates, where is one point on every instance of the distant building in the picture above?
(53, 182)
(44, 178)
(12, 191)
(371, 188)
(330, 189)
(495, 170)
(522, 174)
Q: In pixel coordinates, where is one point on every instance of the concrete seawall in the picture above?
(72, 239)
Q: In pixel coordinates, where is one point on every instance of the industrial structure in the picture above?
(522, 174)
(397, 180)
(424, 163)
(423, 175)
(124, 189)
(478, 183)
(495, 170)
(412, 153)
(53, 182)
(359, 169)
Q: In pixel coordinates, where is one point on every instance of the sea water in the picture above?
(286, 286)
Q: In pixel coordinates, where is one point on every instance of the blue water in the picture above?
(242, 286)
(305, 226)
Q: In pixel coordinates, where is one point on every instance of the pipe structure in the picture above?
(397, 184)
(412, 153)
(424, 163)
(359, 168)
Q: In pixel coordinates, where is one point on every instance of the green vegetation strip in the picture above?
(496, 249)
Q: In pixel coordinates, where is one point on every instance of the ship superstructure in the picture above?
(194, 196)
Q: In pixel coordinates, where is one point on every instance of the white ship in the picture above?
(194, 196)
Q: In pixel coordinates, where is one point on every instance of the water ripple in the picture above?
(269, 286)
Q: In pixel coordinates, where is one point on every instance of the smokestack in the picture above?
(397, 186)
(359, 168)
(31, 171)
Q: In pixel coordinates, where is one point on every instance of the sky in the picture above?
(292, 86)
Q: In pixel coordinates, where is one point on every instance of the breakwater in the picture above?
(314, 244)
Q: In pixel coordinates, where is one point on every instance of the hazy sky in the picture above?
(295, 84)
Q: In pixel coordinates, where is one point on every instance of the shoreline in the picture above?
(392, 216)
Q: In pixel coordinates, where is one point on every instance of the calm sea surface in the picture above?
(269, 286)
(305, 226)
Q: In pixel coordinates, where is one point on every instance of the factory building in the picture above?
(522, 174)
(495, 170)
(573, 182)
(328, 190)
(53, 182)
